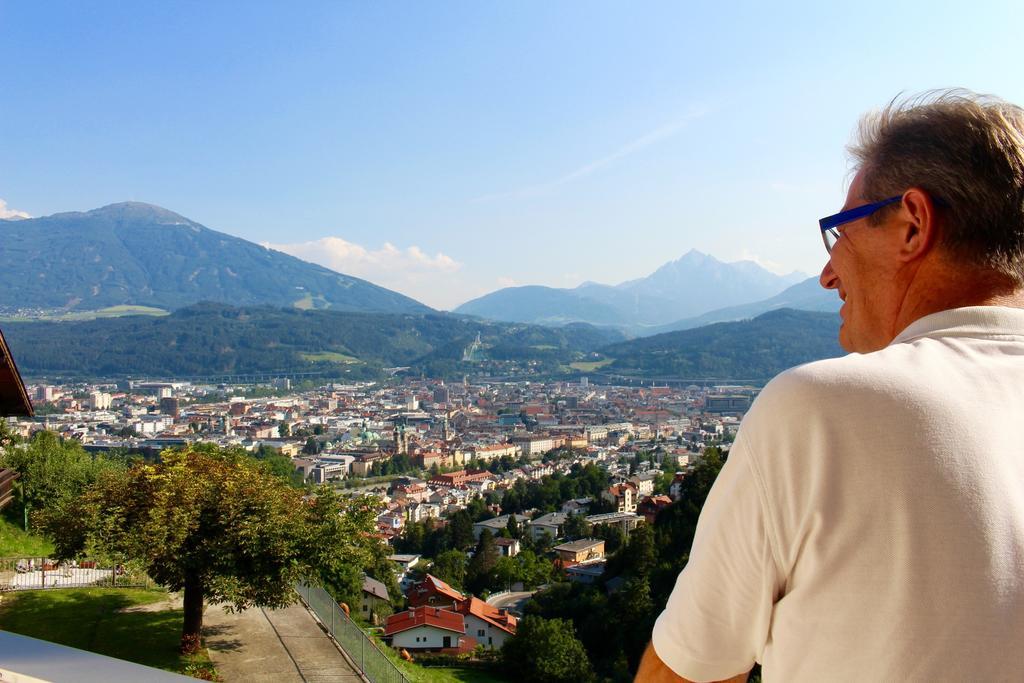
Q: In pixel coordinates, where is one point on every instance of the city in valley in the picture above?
(431, 452)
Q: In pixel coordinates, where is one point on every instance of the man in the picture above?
(869, 523)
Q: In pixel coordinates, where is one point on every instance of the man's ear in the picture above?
(919, 230)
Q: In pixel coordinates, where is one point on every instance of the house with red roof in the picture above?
(434, 592)
(485, 624)
(429, 628)
(490, 626)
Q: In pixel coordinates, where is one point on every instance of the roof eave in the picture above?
(14, 400)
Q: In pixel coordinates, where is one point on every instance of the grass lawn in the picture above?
(438, 674)
(328, 356)
(90, 619)
(590, 366)
(447, 674)
(15, 542)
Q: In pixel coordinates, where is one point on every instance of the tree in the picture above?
(507, 571)
(480, 572)
(50, 469)
(217, 526)
(284, 430)
(546, 651)
(513, 527)
(460, 529)
(576, 526)
(612, 535)
(450, 567)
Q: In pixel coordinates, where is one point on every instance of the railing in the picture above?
(35, 573)
(363, 651)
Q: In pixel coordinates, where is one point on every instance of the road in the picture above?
(513, 602)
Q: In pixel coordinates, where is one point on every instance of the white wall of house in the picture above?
(425, 636)
(485, 633)
(367, 603)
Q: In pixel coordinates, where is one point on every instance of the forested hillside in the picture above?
(750, 349)
(214, 339)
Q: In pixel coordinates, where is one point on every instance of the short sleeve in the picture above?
(716, 622)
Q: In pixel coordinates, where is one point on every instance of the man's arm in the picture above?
(653, 670)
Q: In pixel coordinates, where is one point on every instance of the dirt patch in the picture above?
(173, 601)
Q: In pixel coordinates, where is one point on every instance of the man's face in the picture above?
(861, 267)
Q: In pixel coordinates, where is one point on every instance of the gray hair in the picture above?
(967, 151)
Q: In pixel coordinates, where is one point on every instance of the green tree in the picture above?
(480, 571)
(534, 570)
(450, 567)
(507, 571)
(217, 526)
(477, 510)
(460, 529)
(513, 527)
(51, 470)
(546, 651)
(612, 535)
(576, 526)
(284, 430)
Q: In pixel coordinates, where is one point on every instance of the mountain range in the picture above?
(134, 254)
(690, 286)
(138, 258)
(232, 306)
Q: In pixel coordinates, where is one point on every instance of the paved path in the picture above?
(264, 646)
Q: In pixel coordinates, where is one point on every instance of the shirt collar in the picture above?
(970, 321)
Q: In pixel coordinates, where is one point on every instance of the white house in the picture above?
(428, 628)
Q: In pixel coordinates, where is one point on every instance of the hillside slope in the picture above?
(755, 349)
(143, 255)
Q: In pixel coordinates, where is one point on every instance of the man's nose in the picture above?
(828, 278)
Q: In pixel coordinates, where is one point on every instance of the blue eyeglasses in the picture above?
(830, 224)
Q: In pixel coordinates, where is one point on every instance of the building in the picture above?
(7, 478)
(551, 523)
(622, 496)
(100, 400)
(726, 404)
(433, 592)
(496, 450)
(168, 406)
(651, 506)
(487, 624)
(460, 478)
(483, 623)
(13, 397)
(627, 521)
(428, 628)
(508, 547)
(496, 524)
(404, 573)
(644, 483)
(587, 572)
(576, 552)
(533, 446)
(375, 594)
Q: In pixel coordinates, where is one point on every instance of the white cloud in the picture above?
(507, 282)
(770, 266)
(411, 271)
(11, 213)
(587, 169)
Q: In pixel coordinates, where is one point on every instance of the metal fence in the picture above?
(35, 573)
(363, 651)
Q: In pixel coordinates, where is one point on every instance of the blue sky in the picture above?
(447, 149)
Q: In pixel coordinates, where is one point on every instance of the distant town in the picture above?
(430, 451)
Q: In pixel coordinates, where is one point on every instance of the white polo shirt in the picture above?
(869, 522)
